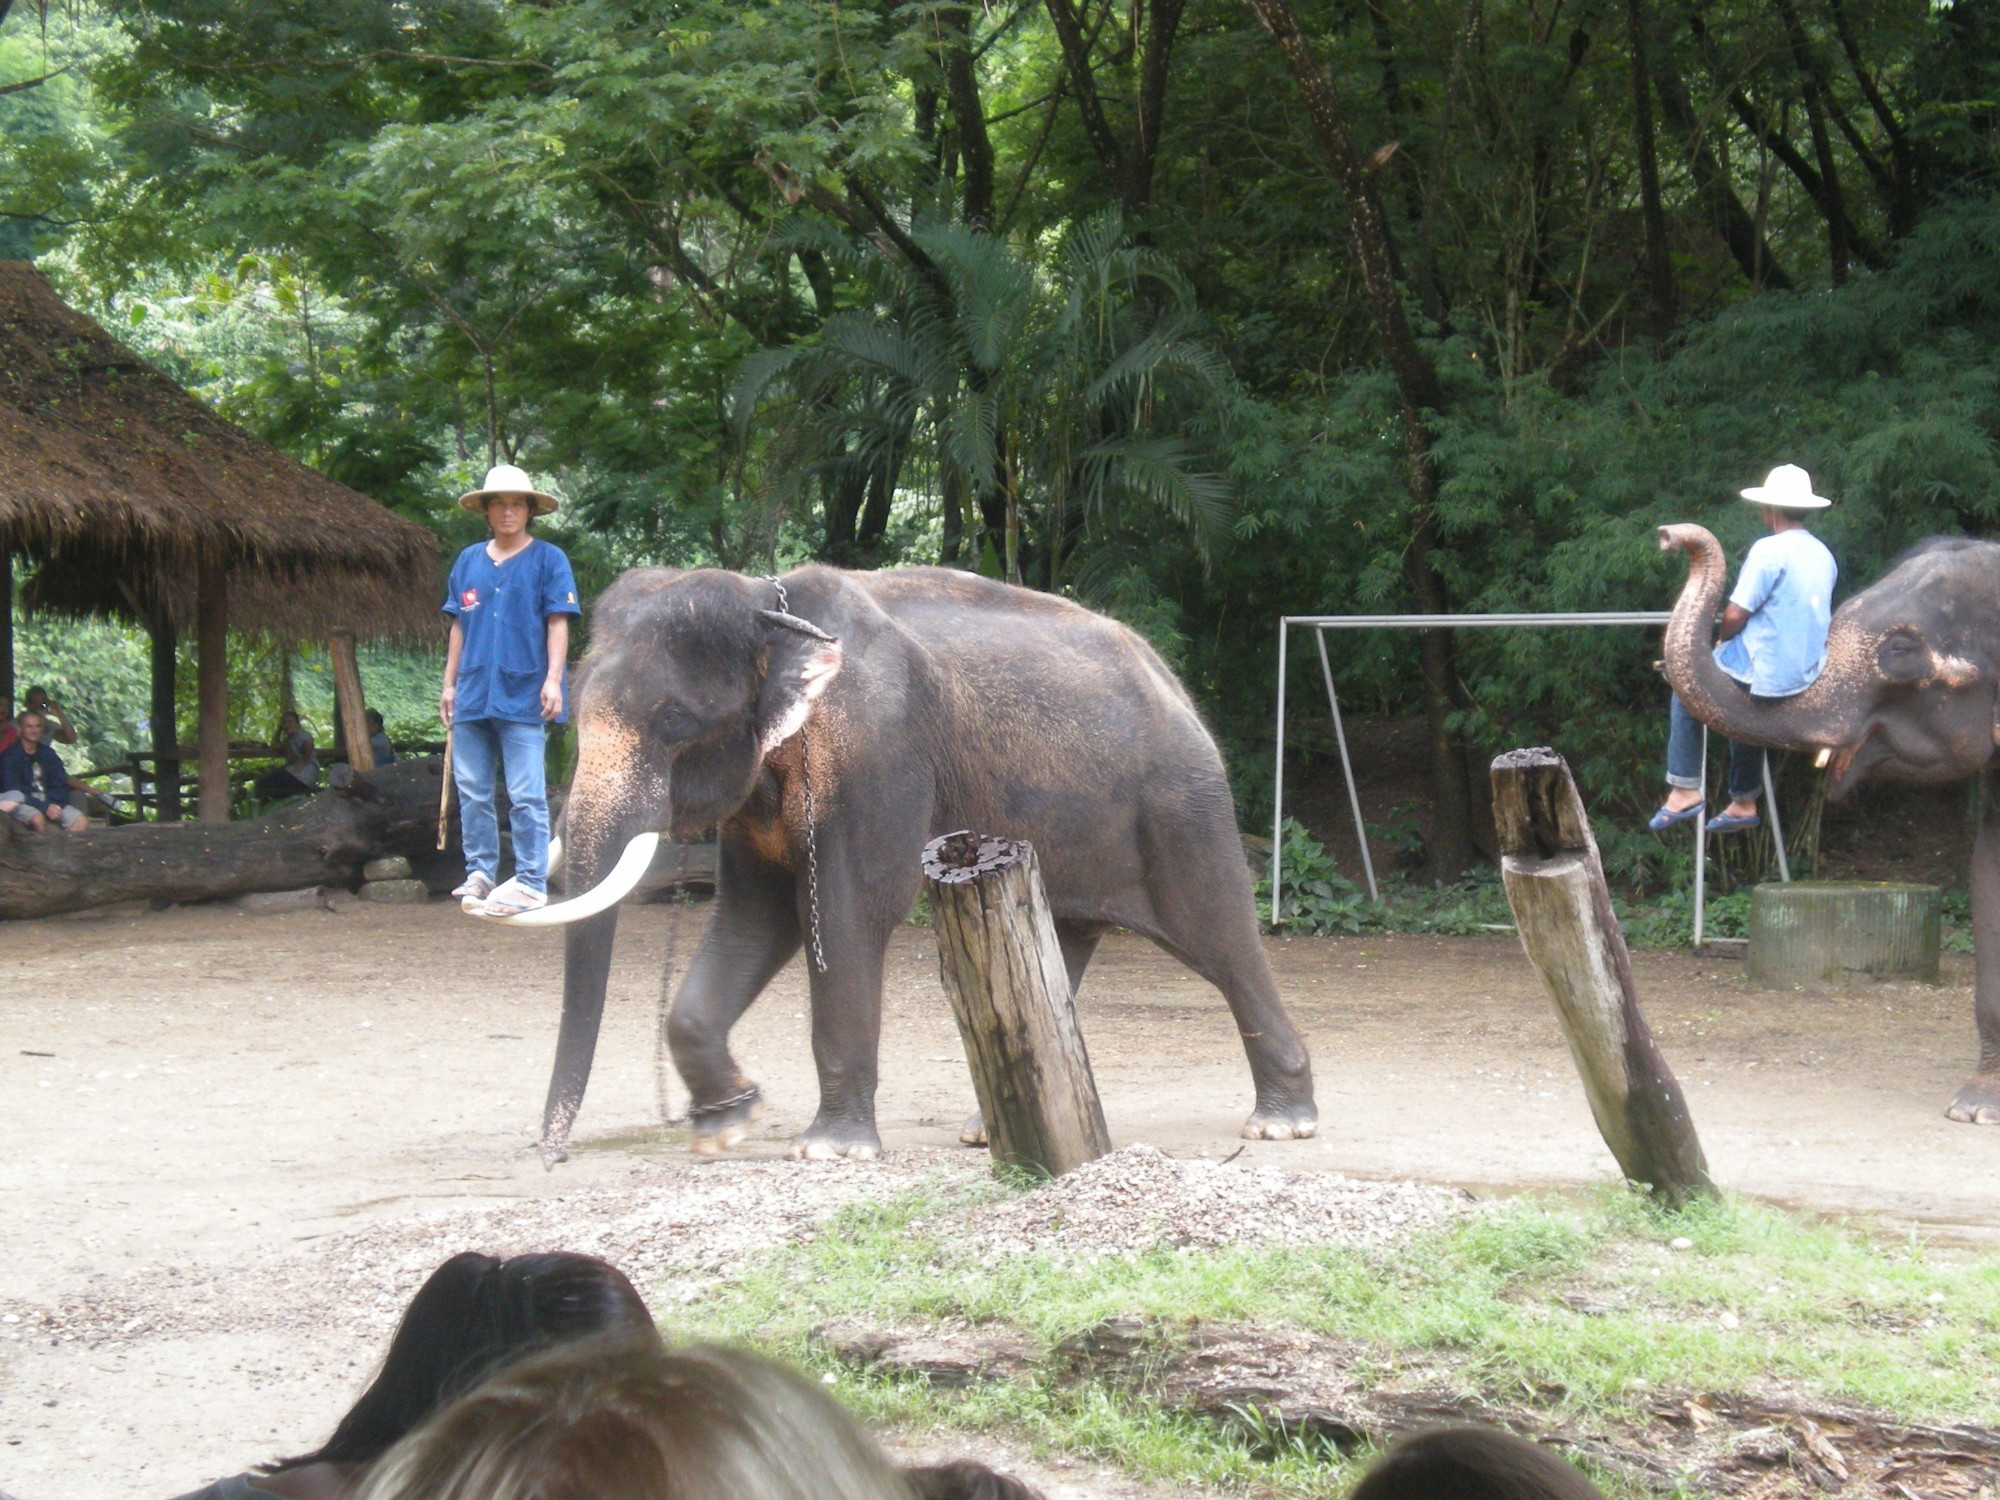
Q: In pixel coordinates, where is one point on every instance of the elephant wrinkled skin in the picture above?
(930, 701)
(1908, 693)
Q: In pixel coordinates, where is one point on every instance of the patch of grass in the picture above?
(1587, 1308)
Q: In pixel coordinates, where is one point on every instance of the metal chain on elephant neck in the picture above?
(812, 812)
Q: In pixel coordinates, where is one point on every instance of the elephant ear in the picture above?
(804, 660)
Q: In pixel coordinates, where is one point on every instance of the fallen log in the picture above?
(323, 840)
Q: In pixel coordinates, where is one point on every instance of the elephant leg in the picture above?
(1978, 1099)
(1079, 942)
(752, 934)
(1202, 912)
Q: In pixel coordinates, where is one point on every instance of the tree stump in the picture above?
(1815, 932)
(1003, 970)
(1562, 908)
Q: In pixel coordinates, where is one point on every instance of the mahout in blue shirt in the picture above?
(503, 609)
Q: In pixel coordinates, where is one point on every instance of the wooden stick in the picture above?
(444, 794)
(349, 703)
(1009, 988)
(1562, 907)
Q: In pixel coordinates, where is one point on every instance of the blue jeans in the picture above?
(478, 747)
(1746, 762)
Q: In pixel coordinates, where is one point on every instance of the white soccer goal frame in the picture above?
(1321, 624)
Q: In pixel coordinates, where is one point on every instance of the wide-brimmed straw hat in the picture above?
(1789, 488)
(508, 480)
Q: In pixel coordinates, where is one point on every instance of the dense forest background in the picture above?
(1201, 311)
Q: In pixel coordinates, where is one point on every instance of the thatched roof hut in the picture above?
(137, 500)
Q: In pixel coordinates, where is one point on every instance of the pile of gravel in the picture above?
(676, 1230)
(1140, 1199)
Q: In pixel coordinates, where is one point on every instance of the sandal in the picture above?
(1666, 817)
(473, 891)
(510, 899)
(1725, 823)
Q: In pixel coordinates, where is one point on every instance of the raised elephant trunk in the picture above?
(1823, 717)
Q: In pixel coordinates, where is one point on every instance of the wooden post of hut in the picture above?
(349, 704)
(1009, 988)
(163, 712)
(6, 624)
(1562, 908)
(212, 696)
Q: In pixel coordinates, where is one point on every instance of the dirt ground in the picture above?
(205, 1090)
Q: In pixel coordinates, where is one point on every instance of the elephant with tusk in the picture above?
(1908, 693)
(828, 725)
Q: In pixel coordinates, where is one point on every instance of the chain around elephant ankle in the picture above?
(812, 841)
(749, 1096)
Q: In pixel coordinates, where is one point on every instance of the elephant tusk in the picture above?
(607, 893)
(1820, 760)
(555, 854)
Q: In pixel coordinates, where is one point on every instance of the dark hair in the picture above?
(964, 1479)
(37, 688)
(474, 1315)
(1472, 1463)
(373, 716)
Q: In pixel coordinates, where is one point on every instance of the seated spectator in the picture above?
(34, 788)
(631, 1421)
(61, 730)
(475, 1315)
(299, 775)
(378, 739)
(1472, 1463)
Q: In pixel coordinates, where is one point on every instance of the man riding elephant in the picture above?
(830, 724)
(1907, 693)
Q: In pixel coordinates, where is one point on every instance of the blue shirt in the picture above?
(1787, 586)
(503, 608)
(39, 778)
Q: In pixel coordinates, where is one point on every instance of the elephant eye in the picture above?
(675, 721)
(1902, 657)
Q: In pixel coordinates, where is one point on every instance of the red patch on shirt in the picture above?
(468, 599)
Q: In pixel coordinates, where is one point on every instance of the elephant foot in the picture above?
(829, 1140)
(714, 1128)
(1282, 1122)
(1977, 1101)
(973, 1131)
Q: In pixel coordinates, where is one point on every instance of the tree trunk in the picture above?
(6, 616)
(968, 116)
(1832, 208)
(1724, 209)
(1562, 908)
(1659, 263)
(323, 840)
(1009, 987)
(1421, 393)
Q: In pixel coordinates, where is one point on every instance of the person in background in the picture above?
(34, 787)
(625, 1421)
(378, 739)
(473, 1316)
(1773, 641)
(61, 730)
(1471, 1463)
(299, 775)
(510, 601)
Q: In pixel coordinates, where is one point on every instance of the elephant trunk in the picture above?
(1816, 719)
(586, 972)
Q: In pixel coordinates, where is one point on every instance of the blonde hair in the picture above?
(625, 1420)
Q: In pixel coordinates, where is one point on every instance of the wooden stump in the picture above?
(1555, 883)
(1003, 970)
(1815, 932)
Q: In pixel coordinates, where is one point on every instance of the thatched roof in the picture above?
(117, 481)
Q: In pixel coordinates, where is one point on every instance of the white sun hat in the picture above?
(1789, 488)
(508, 480)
